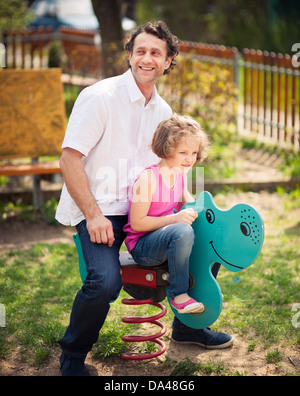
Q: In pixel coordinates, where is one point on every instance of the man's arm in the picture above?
(98, 226)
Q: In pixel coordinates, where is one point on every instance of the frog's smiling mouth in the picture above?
(235, 266)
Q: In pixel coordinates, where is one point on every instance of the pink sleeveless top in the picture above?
(164, 201)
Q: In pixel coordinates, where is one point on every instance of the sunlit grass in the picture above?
(38, 286)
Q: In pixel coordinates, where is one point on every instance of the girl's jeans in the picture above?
(102, 285)
(172, 243)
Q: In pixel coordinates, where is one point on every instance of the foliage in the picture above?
(29, 213)
(189, 368)
(55, 54)
(266, 24)
(14, 14)
(274, 356)
(71, 93)
(50, 211)
(290, 165)
(206, 92)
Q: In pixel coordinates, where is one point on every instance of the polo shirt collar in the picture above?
(134, 92)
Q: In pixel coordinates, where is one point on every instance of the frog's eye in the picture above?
(245, 228)
(210, 216)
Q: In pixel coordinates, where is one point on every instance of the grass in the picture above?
(38, 285)
(189, 368)
(259, 306)
(37, 290)
(290, 165)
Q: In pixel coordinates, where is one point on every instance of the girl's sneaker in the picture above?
(190, 306)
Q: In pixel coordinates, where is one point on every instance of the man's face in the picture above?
(149, 59)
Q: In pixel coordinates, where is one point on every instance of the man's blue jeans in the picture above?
(102, 285)
(172, 243)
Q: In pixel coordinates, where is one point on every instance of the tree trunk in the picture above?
(108, 13)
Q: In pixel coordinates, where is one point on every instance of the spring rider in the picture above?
(232, 238)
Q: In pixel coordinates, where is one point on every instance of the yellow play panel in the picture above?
(32, 113)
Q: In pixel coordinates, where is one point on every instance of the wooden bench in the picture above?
(32, 124)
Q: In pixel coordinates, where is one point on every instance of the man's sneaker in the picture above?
(73, 367)
(205, 338)
(190, 306)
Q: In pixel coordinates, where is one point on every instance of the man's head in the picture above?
(161, 31)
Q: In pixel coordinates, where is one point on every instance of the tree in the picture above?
(14, 14)
(271, 25)
(109, 15)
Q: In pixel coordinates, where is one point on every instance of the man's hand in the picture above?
(99, 227)
(100, 230)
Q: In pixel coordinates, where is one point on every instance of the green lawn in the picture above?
(37, 288)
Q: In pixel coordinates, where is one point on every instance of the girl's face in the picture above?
(184, 154)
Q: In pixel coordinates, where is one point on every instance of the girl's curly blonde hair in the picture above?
(169, 133)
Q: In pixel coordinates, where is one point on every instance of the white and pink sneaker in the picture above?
(190, 306)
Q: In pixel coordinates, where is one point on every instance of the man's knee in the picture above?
(105, 287)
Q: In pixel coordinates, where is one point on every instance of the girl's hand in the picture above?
(187, 216)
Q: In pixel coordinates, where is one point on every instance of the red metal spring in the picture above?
(139, 338)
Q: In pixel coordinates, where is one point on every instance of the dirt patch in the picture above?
(18, 235)
(259, 166)
(236, 360)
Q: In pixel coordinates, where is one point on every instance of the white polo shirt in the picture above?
(111, 126)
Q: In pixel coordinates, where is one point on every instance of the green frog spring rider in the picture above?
(232, 238)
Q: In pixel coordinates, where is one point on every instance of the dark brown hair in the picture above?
(169, 133)
(160, 30)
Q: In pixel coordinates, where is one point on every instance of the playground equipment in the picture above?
(232, 238)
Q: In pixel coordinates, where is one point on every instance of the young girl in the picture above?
(155, 233)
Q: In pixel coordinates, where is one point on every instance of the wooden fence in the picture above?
(75, 51)
(269, 91)
(271, 97)
(25, 48)
(268, 83)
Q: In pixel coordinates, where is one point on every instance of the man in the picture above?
(105, 148)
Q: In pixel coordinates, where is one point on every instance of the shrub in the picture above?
(207, 93)
(204, 91)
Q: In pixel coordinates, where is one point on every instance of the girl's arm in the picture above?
(143, 190)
